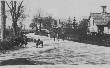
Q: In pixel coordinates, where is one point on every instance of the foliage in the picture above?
(32, 25)
(45, 21)
(83, 26)
(11, 42)
(35, 19)
(8, 32)
(82, 29)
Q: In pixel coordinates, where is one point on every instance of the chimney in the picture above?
(104, 9)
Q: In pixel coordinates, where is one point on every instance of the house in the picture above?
(99, 22)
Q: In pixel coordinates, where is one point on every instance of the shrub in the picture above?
(11, 42)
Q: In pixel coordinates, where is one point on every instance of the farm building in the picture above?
(99, 22)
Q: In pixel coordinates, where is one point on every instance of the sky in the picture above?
(64, 9)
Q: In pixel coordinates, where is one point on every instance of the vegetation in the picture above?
(78, 33)
(14, 35)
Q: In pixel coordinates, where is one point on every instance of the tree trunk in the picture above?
(14, 27)
(3, 20)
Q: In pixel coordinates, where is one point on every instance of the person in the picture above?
(54, 36)
(36, 32)
(63, 36)
(48, 35)
(57, 36)
(39, 42)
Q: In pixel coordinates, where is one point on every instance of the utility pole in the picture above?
(3, 20)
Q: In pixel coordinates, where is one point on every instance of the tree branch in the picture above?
(18, 12)
(8, 5)
(19, 6)
(14, 9)
(9, 8)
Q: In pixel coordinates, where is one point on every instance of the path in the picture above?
(58, 53)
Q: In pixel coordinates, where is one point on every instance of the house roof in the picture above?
(100, 19)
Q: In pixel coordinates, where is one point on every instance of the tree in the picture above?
(3, 20)
(39, 18)
(32, 25)
(16, 12)
(47, 22)
(55, 22)
(35, 22)
(83, 26)
(82, 29)
(22, 18)
(35, 19)
(74, 23)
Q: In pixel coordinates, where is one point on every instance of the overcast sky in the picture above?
(65, 8)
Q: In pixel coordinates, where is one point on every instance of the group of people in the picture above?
(36, 41)
(57, 36)
(40, 42)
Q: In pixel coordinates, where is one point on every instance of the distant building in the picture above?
(100, 22)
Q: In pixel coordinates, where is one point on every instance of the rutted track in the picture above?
(58, 52)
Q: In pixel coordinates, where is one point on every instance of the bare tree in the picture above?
(16, 12)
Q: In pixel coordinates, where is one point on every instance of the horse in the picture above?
(38, 42)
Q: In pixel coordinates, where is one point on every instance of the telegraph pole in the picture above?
(3, 20)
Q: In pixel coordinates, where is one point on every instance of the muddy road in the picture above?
(57, 52)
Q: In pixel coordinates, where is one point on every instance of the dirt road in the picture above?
(57, 52)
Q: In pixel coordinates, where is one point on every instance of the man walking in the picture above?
(57, 36)
(63, 36)
(54, 36)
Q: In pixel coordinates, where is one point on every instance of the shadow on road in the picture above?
(23, 61)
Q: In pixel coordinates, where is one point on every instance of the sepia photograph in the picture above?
(54, 33)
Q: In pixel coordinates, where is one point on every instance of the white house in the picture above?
(99, 22)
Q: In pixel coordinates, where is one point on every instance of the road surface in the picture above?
(57, 53)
